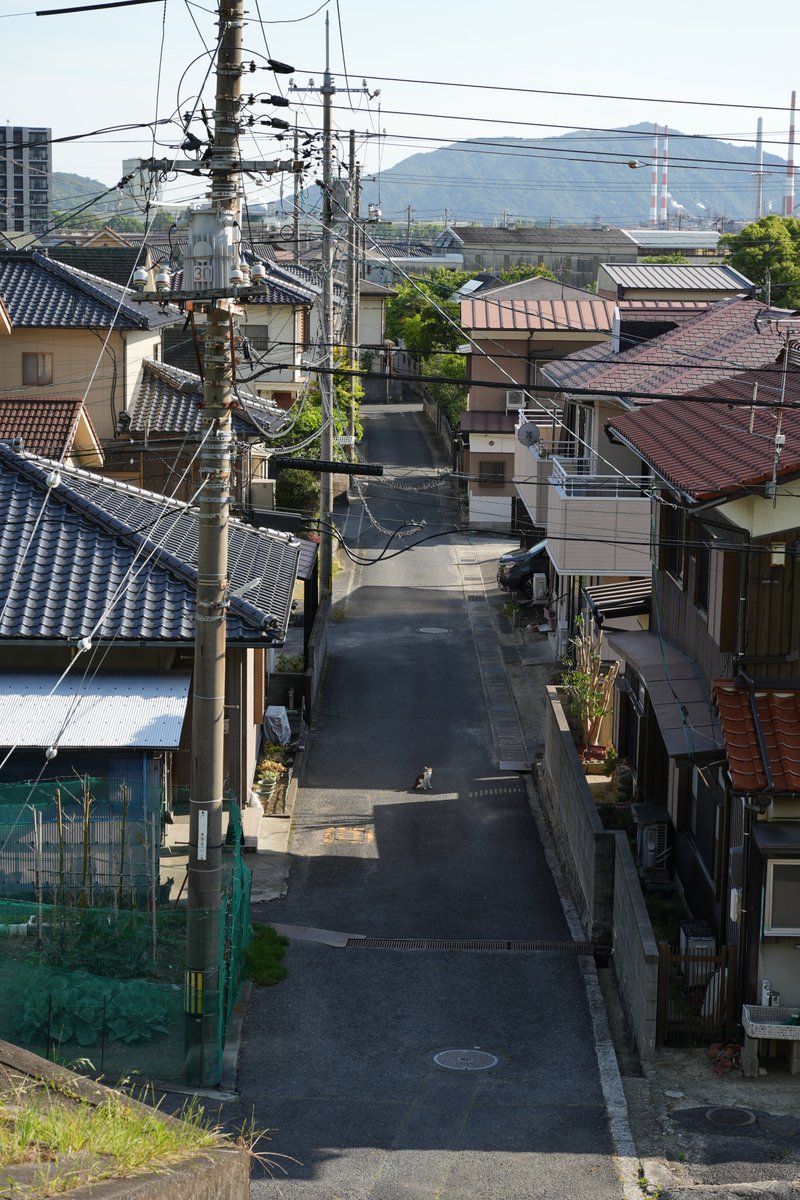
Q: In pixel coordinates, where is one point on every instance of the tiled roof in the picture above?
(690, 277)
(547, 235)
(716, 344)
(557, 315)
(45, 425)
(114, 263)
(168, 402)
(481, 421)
(709, 450)
(58, 577)
(42, 294)
(778, 714)
(660, 312)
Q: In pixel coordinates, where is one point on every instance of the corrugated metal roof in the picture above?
(566, 316)
(715, 277)
(481, 421)
(672, 240)
(544, 236)
(131, 709)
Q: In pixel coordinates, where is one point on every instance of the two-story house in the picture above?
(511, 339)
(589, 495)
(709, 711)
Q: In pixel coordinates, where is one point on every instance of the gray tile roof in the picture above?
(93, 531)
(168, 403)
(42, 294)
(546, 236)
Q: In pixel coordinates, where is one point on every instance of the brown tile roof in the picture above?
(709, 450)
(590, 315)
(481, 421)
(45, 424)
(716, 344)
(779, 717)
(661, 310)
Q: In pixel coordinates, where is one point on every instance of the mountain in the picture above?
(71, 191)
(574, 179)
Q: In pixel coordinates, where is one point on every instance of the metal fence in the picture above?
(696, 996)
(104, 986)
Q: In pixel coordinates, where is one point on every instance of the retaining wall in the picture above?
(635, 951)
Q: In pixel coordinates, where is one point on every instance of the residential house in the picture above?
(105, 573)
(672, 281)
(510, 342)
(589, 495)
(74, 334)
(709, 712)
(158, 437)
(56, 427)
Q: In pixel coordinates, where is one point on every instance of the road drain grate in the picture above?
(469, 944)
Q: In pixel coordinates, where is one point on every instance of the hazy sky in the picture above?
(83, 71)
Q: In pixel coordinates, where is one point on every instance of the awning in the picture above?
(630, 598)
(777, 839)
(688, 723)
(142, 710)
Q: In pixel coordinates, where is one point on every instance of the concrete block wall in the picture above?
(635, 957)
(586, 850)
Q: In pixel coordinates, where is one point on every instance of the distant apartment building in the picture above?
(25, 179)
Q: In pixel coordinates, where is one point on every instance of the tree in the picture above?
(308, 421)
(422, 314)
(522, 271)
(451, 397)
(125, 225)
(664, 258)
(769, 249)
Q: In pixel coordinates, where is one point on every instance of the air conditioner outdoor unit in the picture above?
(651, 845)
(515, 399)
(539, 586)
(697, 940)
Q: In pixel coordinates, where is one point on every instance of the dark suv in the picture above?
(516, 569)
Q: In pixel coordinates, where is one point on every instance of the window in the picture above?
(782, 901)
(491, 474)
(257, 336)
(37, 369)
(673, 542)
(704, 817)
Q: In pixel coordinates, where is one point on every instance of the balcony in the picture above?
(532, 464)
(597, 524)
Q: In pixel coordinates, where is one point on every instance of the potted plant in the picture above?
(588, 685)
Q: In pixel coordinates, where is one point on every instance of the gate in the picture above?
(696, 996)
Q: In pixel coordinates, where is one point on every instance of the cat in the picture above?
(423, 781)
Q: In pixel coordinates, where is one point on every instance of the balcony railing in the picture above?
(577, 479)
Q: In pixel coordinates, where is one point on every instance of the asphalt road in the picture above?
(338, 1061)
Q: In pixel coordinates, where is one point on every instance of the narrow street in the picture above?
(338, 1061)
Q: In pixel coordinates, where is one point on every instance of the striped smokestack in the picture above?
(654, 181)
(664, 178)
(788, 203)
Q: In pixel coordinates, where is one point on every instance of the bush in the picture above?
(297, 491)
(264, 956)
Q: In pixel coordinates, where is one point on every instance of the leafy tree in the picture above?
(419, 312)
(664, 258)
(769, 247)
(125, 225)
(298, 489)
(522, 271)
(451, 397)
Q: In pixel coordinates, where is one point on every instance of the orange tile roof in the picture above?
(778, 712)
(46, 425)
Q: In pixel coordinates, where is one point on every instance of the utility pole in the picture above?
(409, 211)
(353, 285)
(296, 208)
(326, 377)
(204, 884)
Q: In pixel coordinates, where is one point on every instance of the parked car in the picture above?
(516, 569)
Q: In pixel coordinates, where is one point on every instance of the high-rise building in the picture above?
(25, 179)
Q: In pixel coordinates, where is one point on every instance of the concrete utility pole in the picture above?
(204, 892)
(353, 285)
(296, 208)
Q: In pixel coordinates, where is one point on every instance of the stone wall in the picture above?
(635, 951)
(585, 849)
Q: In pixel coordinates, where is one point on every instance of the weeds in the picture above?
(264, 956)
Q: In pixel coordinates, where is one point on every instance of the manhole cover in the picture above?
(730, 1118)
(465, 1060)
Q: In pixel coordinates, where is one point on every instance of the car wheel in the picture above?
(527, 587)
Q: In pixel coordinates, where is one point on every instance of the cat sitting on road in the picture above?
(423, 781)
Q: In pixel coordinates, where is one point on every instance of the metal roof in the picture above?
(557, 316)
(716, 277)
(61, 569)
(130, 709)
(483, 421)
(674, 239)
(544, 236)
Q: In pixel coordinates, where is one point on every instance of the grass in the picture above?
(264, 956)
(114, 1138)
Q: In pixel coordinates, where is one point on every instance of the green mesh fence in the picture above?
(105, 986)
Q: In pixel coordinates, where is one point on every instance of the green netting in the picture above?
(106, 985)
